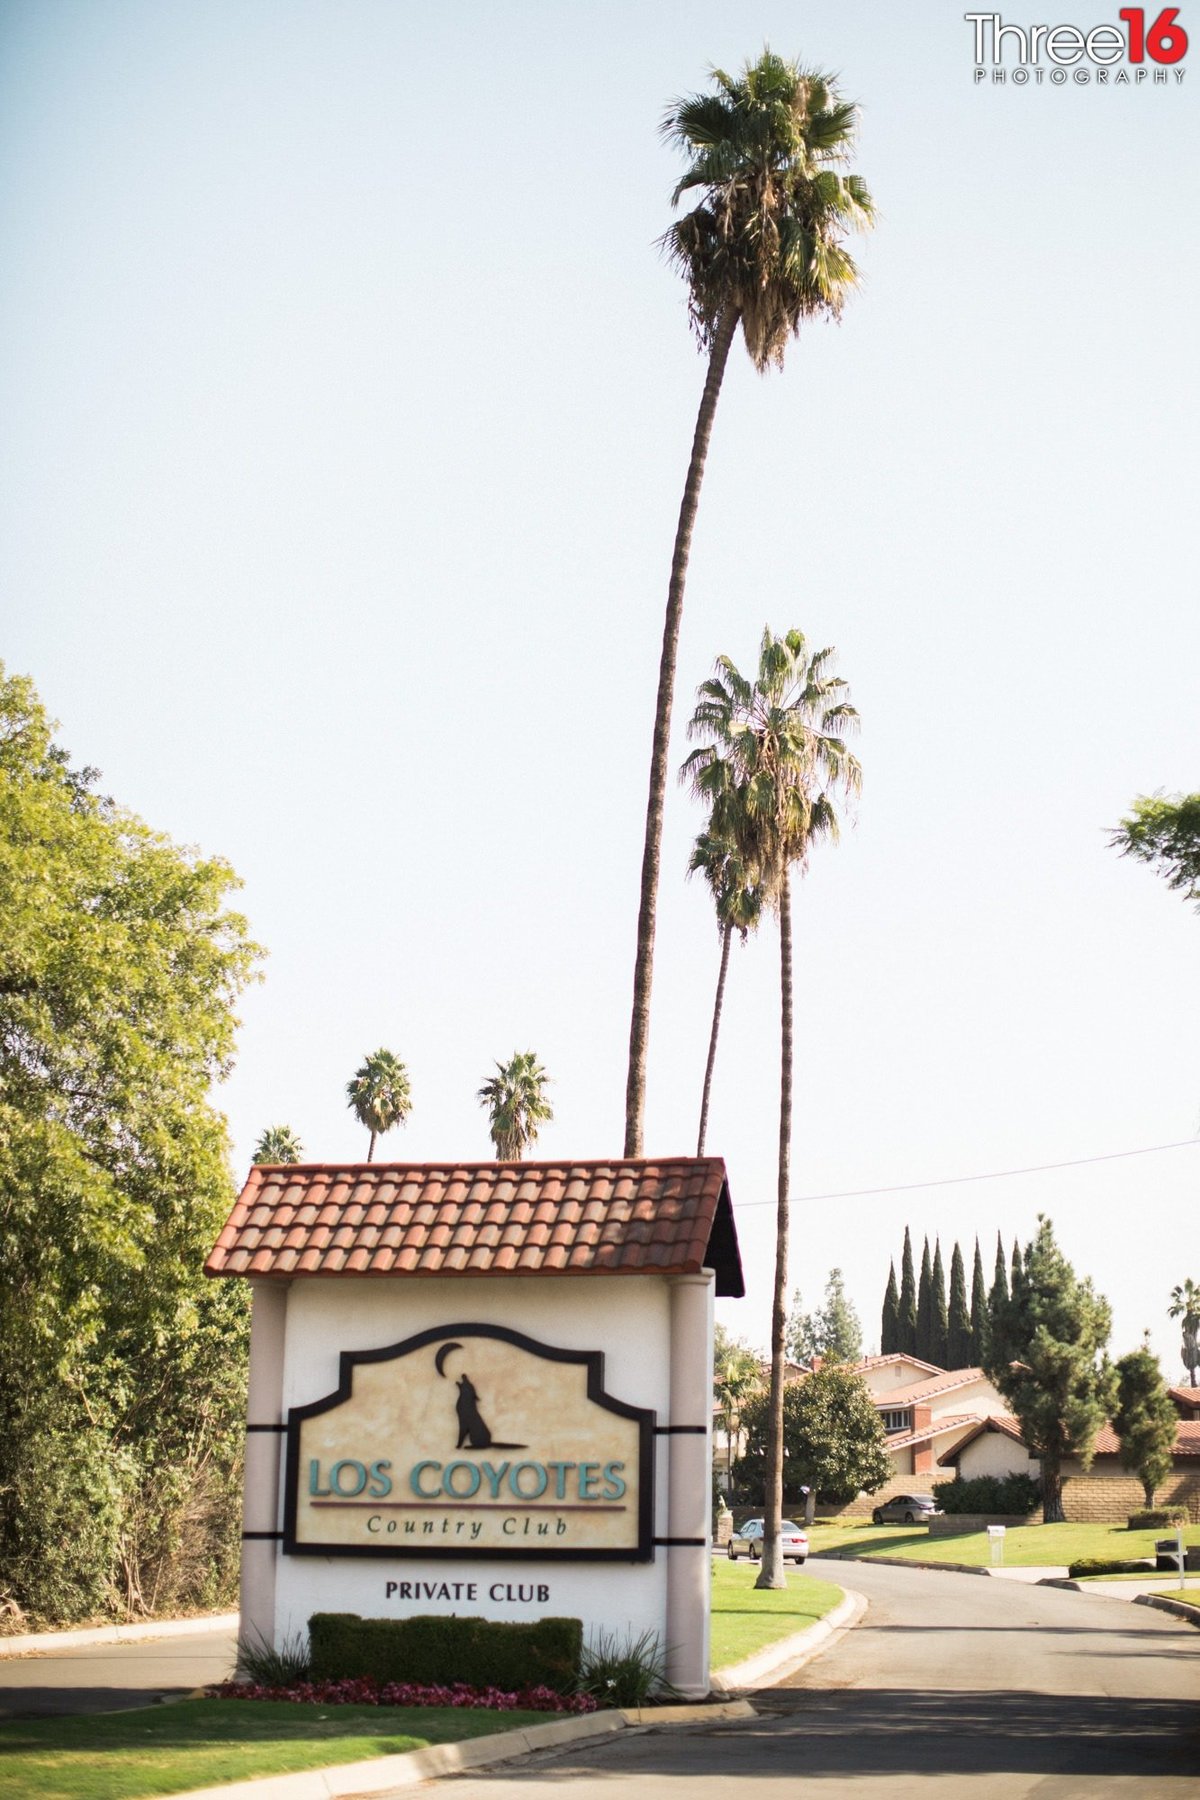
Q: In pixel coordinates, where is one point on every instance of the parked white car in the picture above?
(748, 1540)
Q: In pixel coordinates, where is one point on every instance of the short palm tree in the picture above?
(379, 1095)
(517, 1105)
(1185, 1306)
(770, 762)
(764, 248)
(736, 1375)
(278, 1144)
(738, 898)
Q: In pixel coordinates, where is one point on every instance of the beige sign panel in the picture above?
(475, 1441)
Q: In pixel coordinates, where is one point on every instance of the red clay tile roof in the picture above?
(668, 1217)
(1002, 1422)
(943, 1383)
(1185, 1396)
(904, 1440)
(866, 1363)
(1187, 1437)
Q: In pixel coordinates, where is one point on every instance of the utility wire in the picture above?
(909, 1187)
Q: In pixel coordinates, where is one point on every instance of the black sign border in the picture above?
(592, 1360)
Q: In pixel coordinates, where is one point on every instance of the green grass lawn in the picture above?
(745, 1620)
(1025, 1546)
(198, 1743)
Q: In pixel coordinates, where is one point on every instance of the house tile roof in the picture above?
(1187, 1437)
(1188, 1397)
(669, 1217)
(944, 1382)
(904, 1440)
(1001, 1422)
(866, 1363)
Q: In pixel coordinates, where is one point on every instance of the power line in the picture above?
(908, 1187)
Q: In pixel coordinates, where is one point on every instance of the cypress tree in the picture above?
(889, 1330)
(979, 1312)
(907, 1342)
(1047, 1358)
(925, 1308)
(1014, 1285)
(999, 1294)
(940, 1329)
(960, 1343)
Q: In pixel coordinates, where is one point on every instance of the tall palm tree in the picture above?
(379, 1095)
(763, 249)
(738, 899)
(517, 1105)
(771, 761)
(278, 1144)
(1185, 1306)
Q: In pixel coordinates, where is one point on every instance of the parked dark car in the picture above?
(748, 1539)
(907, 1509)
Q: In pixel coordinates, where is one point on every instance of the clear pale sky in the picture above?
(346, 405)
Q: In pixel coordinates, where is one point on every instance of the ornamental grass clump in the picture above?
(627, 1671)
(265, 1666)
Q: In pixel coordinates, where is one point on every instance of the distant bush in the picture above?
(1158, 1518)
(989, 1494)
(1107, 1565)
(439, 1650)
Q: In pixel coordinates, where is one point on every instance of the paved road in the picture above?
(952, 1686)
(111, 1677)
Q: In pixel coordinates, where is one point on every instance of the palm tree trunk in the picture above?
(371, 1148)
(771, 1575)
(643, 973)
(726, 939)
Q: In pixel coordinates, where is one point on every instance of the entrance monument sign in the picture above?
(483, 1388)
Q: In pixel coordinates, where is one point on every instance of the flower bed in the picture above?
(363, 1691)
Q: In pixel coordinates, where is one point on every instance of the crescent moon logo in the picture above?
(439, 1361)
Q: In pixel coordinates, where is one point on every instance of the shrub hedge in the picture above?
(1158, 1518)
(989, 1494)
(444, 1650)
(1107, 1565)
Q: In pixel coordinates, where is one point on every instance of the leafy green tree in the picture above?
(908, 1300)
(517, 1105)
(889, 1330)
(738, 900)
(122, 1370)
(736, 1375)
(1047, 1359)
(802, 1338)
(1185, 1306)
(833, 1438)
(1145, 1419)
(979, 1312)
(379, 1095)
(959, 1342)
(1165, 832)
(841, 1332)
(940, 1325)
(764, 249)
(770, 762)
(278, 1144)
(925, 1345)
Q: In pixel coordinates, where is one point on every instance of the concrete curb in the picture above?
(35, 1642)
(1182, 1609)
(790, 1653)
(381, 1774)
(906, 1562)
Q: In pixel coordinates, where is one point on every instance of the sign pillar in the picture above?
(264, 1446)
(688, 1551)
